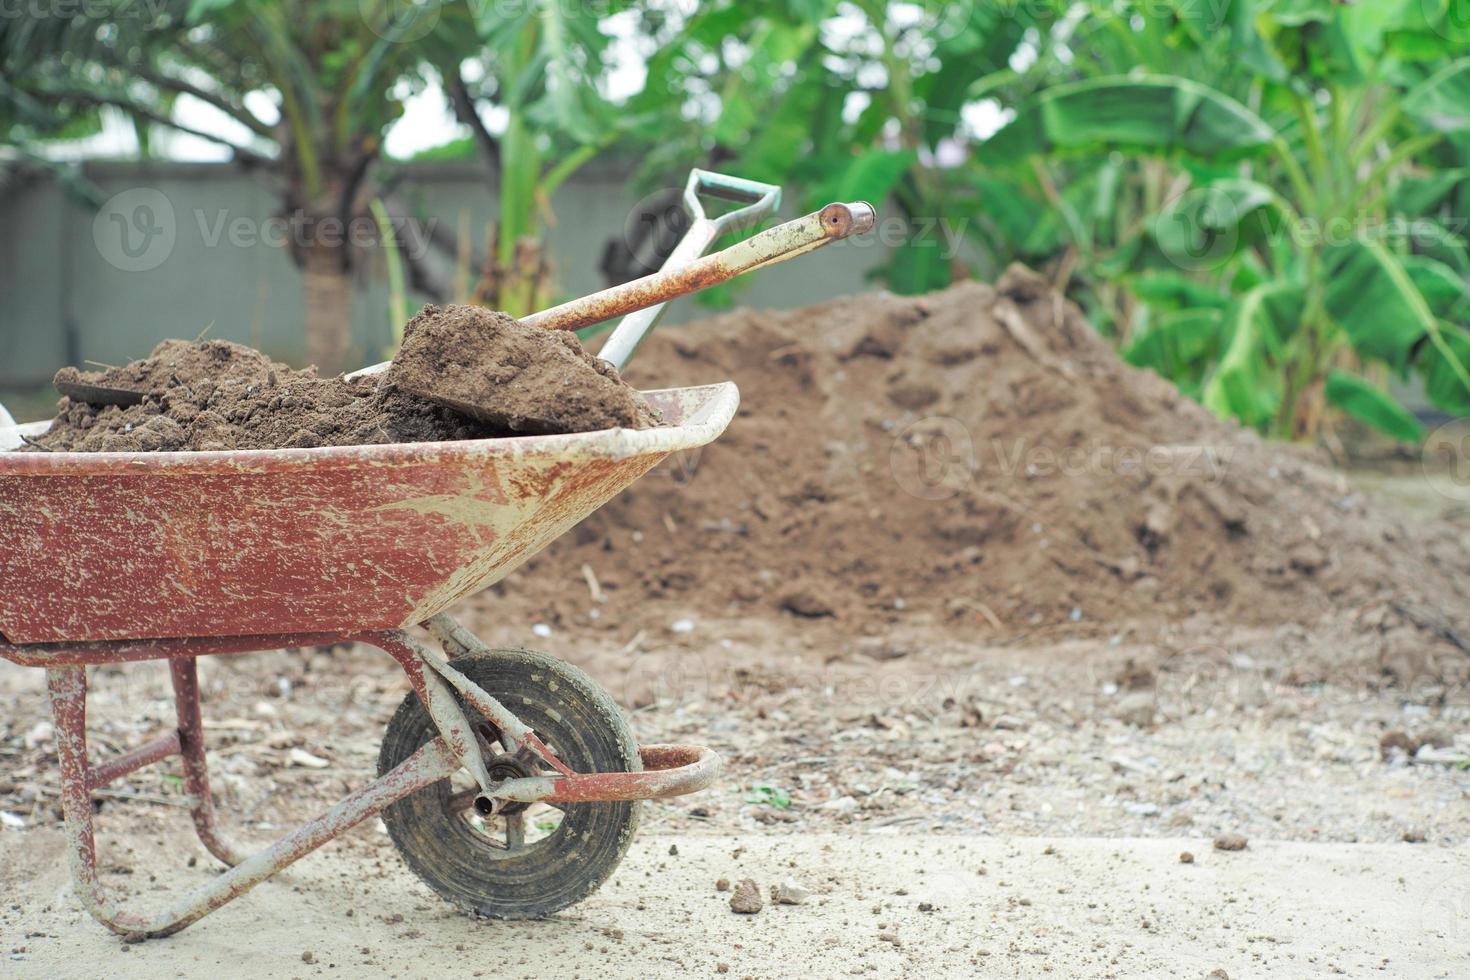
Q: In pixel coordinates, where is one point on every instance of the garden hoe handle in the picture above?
(760, 200)
(833, 223)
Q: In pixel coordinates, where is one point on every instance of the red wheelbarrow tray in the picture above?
(128, 546)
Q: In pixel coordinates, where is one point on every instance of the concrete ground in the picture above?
(881, 905)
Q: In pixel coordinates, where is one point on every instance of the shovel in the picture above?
(833, 223)
(684, 272)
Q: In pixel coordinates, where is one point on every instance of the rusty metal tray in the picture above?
(120, 546)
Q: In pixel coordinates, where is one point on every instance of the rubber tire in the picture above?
(570, 712)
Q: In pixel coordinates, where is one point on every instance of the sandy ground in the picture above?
(881, 773)
(880, 905)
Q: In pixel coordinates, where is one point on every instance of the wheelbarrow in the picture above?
(109, 558)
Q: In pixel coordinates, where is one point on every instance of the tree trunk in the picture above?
(328, 309)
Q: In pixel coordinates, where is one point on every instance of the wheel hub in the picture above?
(510, 766)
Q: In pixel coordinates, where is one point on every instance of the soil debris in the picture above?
(1231, 842)
(216, 395)
(507, 374)
(1058, 495)
(746, 899)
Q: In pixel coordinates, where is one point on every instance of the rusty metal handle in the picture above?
(833, 223)
(760, 200)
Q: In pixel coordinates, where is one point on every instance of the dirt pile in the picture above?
(216, 395)
(980, 457)
(517, 377)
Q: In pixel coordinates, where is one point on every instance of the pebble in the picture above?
(1414, 835)
(1230, 842)
(303, 758)
(542, 630)
(789, 892)
(682, 626)
(723, 885)
(1186, 857)
(747, 898)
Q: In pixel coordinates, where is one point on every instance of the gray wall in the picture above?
(68, 292)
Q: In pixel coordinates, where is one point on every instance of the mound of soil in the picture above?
(981, 457)
(216, 395)
(522, 378)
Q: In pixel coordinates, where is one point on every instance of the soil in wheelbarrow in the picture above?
(216, 395)
(981, 459)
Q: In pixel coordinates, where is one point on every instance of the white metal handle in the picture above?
(703, 231)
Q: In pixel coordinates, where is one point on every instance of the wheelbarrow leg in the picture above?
(68, 688)
(185, 675)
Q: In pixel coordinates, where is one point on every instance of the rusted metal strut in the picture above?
(669, 770)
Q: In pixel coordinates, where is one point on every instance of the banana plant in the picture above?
(542, 65)
(841, 102)
(1305, 248)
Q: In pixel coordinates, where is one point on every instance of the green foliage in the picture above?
(1263, 200)
(1314, 172)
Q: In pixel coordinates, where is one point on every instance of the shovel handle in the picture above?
(833, 223)
(760, 199)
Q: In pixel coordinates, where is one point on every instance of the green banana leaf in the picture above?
(868, 176)
(1368, 404)
(1171, 292)
(1373, 298)
(1244, 385)
(1157, 114)
(1209, 226)
(1443, 289)
(1442, 366)
(1178, 345)
(1442, 102)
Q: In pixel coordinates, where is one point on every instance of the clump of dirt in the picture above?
(508, 374)
(215, 395)
(981, 458)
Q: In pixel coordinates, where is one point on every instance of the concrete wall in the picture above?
(181, 247)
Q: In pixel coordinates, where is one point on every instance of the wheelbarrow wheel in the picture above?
(533, 859)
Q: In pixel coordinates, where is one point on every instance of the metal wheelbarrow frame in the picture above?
(592, 467)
